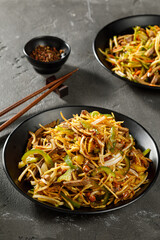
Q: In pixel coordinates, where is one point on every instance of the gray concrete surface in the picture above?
(77, 22)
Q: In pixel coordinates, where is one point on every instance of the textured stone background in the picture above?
(77, 22)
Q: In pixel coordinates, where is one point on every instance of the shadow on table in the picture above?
(151, 97)
(89, 88)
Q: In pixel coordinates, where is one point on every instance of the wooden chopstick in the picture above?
(19, 114)
(35, 93)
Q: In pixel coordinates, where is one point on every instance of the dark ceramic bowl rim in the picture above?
(77, 211)
(51, 37)
(109, 70)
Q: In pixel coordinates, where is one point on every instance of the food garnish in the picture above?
(46, 53)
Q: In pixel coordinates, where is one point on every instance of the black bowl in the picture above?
(47, 67)
(16, 143)
(120, 27)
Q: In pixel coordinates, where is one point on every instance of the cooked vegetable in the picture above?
(146, 152)
(136, 56)
(68, 160)
(26, 158)
(72, 202)
(66, 176)
(102, 169)
(89, 160)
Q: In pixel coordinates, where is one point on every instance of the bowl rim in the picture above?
(51, 37)
(109, 70)
(68, 211)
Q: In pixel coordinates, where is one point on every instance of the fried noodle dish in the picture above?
(89, 160)
(136, 56)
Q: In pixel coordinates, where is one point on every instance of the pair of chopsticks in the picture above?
(52, 86)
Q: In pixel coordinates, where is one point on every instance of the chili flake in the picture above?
(46, 54)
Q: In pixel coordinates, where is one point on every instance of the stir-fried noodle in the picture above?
(136, 56)
(89, 160)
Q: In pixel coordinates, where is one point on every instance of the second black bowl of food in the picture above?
(120, 27)
(50, 41)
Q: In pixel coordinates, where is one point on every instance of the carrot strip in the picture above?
(137, 72)
(150, 69)
(134, 59)
(117, 49)
(110, 55)
(149, 60)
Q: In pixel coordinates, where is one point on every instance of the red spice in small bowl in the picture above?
(46, 54)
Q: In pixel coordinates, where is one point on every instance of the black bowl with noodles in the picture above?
(120, 27)
(15, 146)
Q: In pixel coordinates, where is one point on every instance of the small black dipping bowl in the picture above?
(47, 67)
